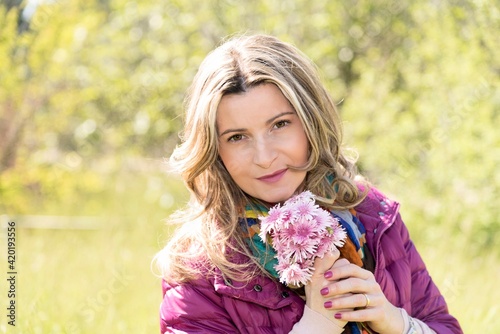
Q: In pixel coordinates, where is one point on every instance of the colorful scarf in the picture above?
(353, 249)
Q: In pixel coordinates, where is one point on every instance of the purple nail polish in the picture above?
(328, 304)
(324, 291)
(338, 316)
(328, 274)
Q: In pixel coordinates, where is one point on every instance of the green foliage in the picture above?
(91, 100)
(418, 80)
(435, 113)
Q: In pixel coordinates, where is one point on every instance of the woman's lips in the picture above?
(274, 177)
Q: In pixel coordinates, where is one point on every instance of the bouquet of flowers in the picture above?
(299, 231)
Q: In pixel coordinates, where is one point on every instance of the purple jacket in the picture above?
(265, 306)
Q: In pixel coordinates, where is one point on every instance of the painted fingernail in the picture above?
(338, 316)
(324, 291)
(328, 304)
(328, 274)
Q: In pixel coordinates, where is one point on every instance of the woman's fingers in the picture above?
(324, 264)
(343, 269)
(339, 263)
(314, 295)
(353, 295)
(380, 314)
(352, 285)
(350, 293)
(354, 301)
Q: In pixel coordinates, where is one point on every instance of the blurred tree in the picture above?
(13, 120)
(9, 4)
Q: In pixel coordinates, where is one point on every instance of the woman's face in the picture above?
(260, 137)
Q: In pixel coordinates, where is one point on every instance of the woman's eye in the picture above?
(235, 138)
(281, 124)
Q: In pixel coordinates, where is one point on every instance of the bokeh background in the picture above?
(91, 99)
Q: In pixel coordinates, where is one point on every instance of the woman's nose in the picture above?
(264, 153)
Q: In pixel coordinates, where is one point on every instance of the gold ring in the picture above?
(367, 300)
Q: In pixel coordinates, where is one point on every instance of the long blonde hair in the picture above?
(210, 233)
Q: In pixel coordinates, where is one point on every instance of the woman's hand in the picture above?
(353, 295)
(319, 285)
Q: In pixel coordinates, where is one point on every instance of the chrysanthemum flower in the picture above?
(300, 231)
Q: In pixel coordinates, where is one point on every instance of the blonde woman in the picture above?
(260, 128)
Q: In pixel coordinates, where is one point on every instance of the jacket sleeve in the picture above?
(193, 308)
(313, 322)
(427, 303)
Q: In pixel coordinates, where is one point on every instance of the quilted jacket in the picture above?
(215, 305)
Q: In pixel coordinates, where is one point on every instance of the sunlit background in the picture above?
(91, 99)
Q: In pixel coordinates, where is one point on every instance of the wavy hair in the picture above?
(210, 234)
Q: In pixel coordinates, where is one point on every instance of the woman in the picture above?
(260, 128)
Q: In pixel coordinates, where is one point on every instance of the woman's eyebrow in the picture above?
(232, 130)
(272, 119)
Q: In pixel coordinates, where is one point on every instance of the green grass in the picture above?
(100, 281)
(97, 280)
(468, 283)
(83, 282)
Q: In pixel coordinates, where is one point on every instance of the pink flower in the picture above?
(324, 219)
(294, 274)
(304, 210)
(302, 252)
(300, 231)
(304, 229)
